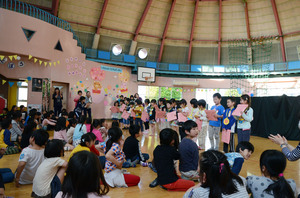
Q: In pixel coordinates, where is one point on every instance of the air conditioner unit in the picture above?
(186, 82)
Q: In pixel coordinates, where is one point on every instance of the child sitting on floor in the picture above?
(272, 182)
(50, 174)
(216, 179)
(84, 178)
(103, 129)
(236, 159)
(5, 141)
(115, 157)
(31, 158)
(96, 130)
(28, 130)
(48, 123)
(132, 147)
(80, 129)
(60, 133)
(164, 156)
(71, 129)
(189, 154)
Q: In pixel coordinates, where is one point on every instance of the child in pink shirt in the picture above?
(60, 133)
(95, 129)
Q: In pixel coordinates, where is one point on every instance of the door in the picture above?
(64, 89)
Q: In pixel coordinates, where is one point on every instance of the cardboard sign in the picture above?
(125, 115)
(199, 124)
(145, 116)
(181, 118)
(122, 107)
(115, 109)
(226, 136)
(171, 116)
(160, 114)
(240, 108)
(211, 115)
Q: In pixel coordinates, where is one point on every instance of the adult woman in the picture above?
(88, 102)
(57, 101)
(137, 97)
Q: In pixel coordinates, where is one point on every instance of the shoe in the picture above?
(154, 183)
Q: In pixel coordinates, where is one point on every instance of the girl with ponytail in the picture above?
(216, 179)
(114, 160)
(272, 184)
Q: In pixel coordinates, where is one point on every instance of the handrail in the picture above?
(30, 10)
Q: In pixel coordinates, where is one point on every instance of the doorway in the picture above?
(64, 89)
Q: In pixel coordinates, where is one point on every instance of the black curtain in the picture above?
(274, 115)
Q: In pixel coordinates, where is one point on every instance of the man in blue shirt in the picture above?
(214, 126)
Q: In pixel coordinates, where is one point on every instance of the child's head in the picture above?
(65, 114)
(131, 97)
(135, 131)
(245, 149)
(22, 108)
(60, 124)
(202, 104)
(72, 123)
(121, 97)
(139, 102)
(88, 94)
(32, 113)
(5, 111)
(82, 120)
(47, 115)
(190, 128)
(17, 116)
(162, 101)
(272, 164)
(121, 102)
(169, 104)
(217, 98)
(88, 140)
(54, 148)
(115, 123)
(14, 108)
(103, 123)
(194, 103)
(84, 175)
(88, 120)
(153, 102)
(147, 101)
(38, 115)
(173, 102)
(96, 124)
(245, 99)
(136, 95)
(167, 137)
(71, 115)
(230, 102)
(116, 103)
(216, 175)
(114, 136)
(30, 127)
(127, 101)
(82, 99)
(79, 92)
(39, 137)
(6, 124)
(131, 104)
(183, 103)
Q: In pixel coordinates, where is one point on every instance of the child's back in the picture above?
(164, 157)
(189, 155)
(33, 159)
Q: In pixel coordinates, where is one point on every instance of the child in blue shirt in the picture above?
(215, 126)
(228, 124)
(236, 159)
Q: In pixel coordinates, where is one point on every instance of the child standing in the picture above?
(272, 182)
(75, 183)
(60, 133)
(244, 122)
(115, 115)
(79, 130)
(114, 160)
(202, 117)
(120, 114)
(214, 126)
(168, 110)
(236, 159)
(89, 102)
(138, 114)
(216, 179)
(147, 110)
(31, 158)
(5, 138)
(80, 107)
(127, 108)
(16, 131)
(228, 124)
(152, 118)
(164, 156)
(132, 148)
(50, 174)
(189, 154)
(195, 110)
(185, 111)
(161, 122)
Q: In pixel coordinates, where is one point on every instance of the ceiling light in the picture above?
(143, 53)
(117, 49)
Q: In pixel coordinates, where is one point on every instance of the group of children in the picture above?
(95, 145)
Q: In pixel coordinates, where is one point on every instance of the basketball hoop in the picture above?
(148, 79)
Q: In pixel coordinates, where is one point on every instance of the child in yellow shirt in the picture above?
(138, 113)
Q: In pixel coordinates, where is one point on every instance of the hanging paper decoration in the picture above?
(40, 62)
(16, 57)
(29, 78)
(1, 57)
(58, 62)
(35, 59)
(10, 57)
(192, 90)
(45, 63)
(54, 64)
(26, 81)
(3, 82)
(11, 83)
(50, 64)
(29, 57)
(19, 84)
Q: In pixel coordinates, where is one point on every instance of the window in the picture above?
(22, 94)
(154, 92)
